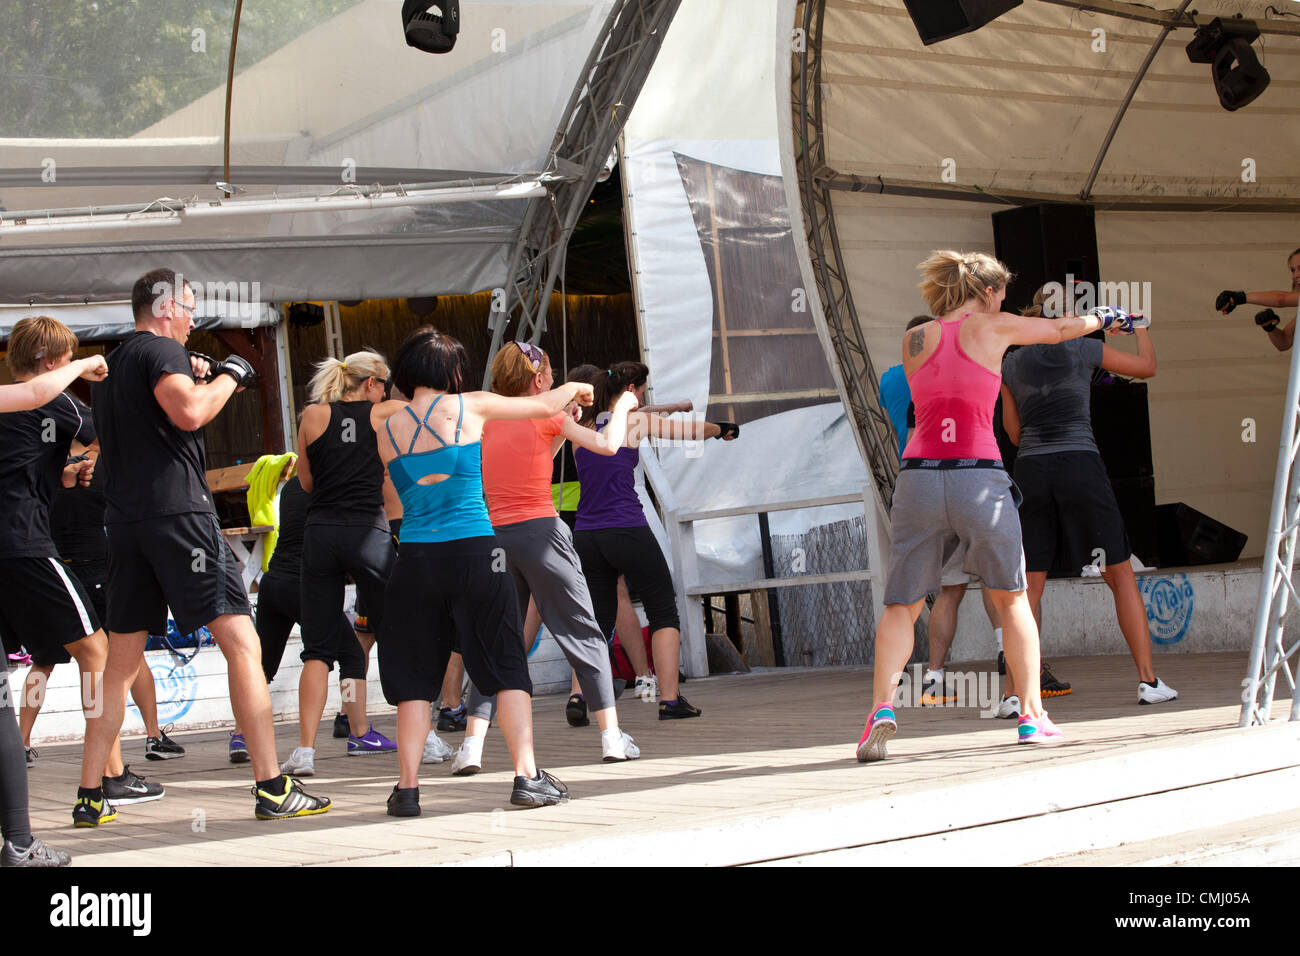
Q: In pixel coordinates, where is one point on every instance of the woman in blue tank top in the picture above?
(450, 585)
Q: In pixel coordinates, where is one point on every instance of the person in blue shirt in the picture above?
(897, 397)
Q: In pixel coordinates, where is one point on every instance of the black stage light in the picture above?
(431, 32)
(939, 20)
(1238, 76)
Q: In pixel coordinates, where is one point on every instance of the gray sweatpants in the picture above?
(546, 567)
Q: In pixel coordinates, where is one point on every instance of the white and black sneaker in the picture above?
(1156, 693)
(162, 747)
(131, 788)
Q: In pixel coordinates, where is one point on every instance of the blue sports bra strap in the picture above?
(416, 434)
(425, 424)
(461, 417)
(388, 427)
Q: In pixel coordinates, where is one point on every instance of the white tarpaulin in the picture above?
(330, 112)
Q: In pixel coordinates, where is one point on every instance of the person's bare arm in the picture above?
(641, 425)
(315, 418)
(1142, 365)
(1010, 417)
(189, 404)
(1282, 338)
(686, 405)
(493, 407)
(612, 438)
(1274, 300)
(42, 389)
(1028, 330)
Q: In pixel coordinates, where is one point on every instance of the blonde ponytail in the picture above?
(334, 379)
(950, 278)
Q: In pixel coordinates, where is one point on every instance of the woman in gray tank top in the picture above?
(1069, 507)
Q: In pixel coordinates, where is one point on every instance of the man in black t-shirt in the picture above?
(164, 542)
(45, 608)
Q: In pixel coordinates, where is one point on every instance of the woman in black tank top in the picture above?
(346, 535)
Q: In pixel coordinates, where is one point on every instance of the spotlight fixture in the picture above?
(937, 20)
(1225, 44)
(431, 32)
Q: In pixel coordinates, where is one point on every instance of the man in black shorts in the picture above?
(164, 542)
(45, 607)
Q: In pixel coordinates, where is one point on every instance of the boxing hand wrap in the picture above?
(1113, 318)
(1267, 320)
(1229, 300)
(727, 429)
(212, 365)
(239, 369)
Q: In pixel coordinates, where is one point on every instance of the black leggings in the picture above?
(329, 552)
(15, 825)
(278, 603)
(634, 553)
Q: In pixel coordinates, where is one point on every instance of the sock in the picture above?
(579, 696)
(997, 635)
(670, 703)
(933, 674)
(274, 786)
(120, 776)
(473, 745)
(612, 732)
(1152, 683)
(92, 793)
(21, 842)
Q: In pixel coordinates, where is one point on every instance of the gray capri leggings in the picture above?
(545, 565)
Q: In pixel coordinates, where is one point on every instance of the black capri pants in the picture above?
(330, 553)
(634, 553)
(279, 600)
(450, 595)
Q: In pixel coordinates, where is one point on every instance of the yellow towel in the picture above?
(263, 481)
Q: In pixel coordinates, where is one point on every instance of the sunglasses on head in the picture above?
(532, 353)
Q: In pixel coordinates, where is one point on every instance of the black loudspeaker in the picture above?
(1045, 243)
(1121, 424)
(1188, 537)
(941, 19)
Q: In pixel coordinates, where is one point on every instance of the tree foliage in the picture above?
(110, 68)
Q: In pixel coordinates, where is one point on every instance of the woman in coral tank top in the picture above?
(952, 489)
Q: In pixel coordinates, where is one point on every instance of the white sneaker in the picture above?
(436, 749)
(1158, 694)
(1009, 707)
(615, 748)
(647, 688)
(468, 760)
(301, 763)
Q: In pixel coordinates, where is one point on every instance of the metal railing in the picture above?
(675, 529)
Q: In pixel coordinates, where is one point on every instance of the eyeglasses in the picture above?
(533, 354)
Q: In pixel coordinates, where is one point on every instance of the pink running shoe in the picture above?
(20, 658)
(880, 727)
(1038, 730)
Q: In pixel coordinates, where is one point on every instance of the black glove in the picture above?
(1228, 300)
(212, 364)
(1267, 320)
(239, 369)
(727, 429)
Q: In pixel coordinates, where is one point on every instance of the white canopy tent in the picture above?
(440, 152)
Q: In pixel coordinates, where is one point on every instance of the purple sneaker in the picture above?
(238, 749)
(371, 742)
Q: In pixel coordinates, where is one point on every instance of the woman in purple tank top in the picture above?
(612, 536)
(952, 490)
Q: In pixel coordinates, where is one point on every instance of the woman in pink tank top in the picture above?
(952, 490)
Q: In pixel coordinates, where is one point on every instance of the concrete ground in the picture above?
(767, 775)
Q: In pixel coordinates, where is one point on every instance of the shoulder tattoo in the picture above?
(915, 343)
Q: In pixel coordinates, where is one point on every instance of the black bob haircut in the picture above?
(430, 359)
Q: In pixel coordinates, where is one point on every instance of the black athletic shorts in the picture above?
(452, 595)
(1069, 512)
(279, 600)
(177, 561)
(44, 608)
